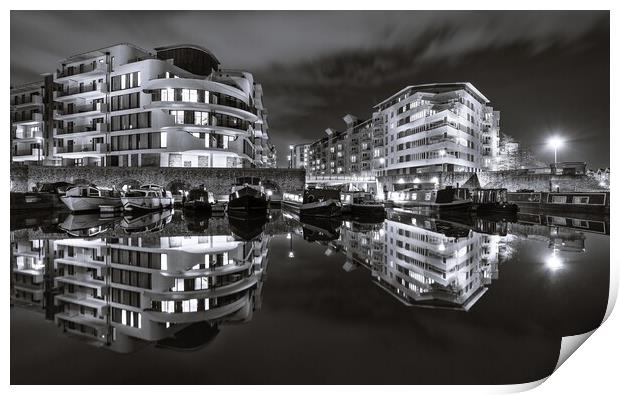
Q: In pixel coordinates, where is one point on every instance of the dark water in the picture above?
(416, 299)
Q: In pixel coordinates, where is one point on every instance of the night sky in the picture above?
(547, 72)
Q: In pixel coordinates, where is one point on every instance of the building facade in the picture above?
(422, 129)
(299, 156)
(170, 107)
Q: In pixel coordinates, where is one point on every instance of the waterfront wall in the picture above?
(217, 180)
(513, 180)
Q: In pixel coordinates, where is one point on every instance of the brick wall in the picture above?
(217, 180)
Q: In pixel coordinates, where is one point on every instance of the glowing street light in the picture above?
(555, 143)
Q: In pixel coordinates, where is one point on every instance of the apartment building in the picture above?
(172, 106)
(345, 155)
(422, 129)
(127, 292)
(31, 122)
(300, 156)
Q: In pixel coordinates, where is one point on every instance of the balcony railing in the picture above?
(31, 117)
(98, 127)
(33, 100)
(89, 68)
(38, 152)
(84, 89)
(95, 107)
(29, 135)
(77, 148)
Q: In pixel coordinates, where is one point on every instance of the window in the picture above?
(167, 94)
(558, 199)
(179, 116)
(581, 199)
(126, 81)
(164, 139)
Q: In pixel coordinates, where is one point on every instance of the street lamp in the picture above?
(555, 143)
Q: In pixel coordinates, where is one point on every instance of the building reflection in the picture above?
(124, 293)
(424, 261)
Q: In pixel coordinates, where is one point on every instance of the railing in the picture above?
(29, 135)
(85, 89)
(35, 99)
(97, 107)
(98, 127)
(32, 117)
(29, 152)
(98, 147)
(97, 67)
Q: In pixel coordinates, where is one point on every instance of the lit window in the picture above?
(164, 139)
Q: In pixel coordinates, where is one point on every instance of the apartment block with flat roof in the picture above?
(422, 129)
(300, 156)
(29, 126)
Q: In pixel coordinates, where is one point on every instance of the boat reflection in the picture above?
(148, 222)
(87, 225)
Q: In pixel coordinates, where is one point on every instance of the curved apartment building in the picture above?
(171, 107)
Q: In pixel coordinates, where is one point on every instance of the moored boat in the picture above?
(147, 197)
(427, 195)
(360, 203)
(90, 197)
(492, 201)
(200, 201)
(247, 195)
(314, 202)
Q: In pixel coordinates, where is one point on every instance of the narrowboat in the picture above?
(359, 203)
(247, 195)
(492, 201)
(314, 202)
(90, 197)
(428, 196)
(199, 200)
(590, 202)
(147, 197)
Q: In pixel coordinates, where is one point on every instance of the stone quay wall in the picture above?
(512, 180)
(216, 180)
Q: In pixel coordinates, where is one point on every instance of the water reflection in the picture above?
(174, 280)
(123, 293)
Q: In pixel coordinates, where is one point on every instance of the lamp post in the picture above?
(555, 143)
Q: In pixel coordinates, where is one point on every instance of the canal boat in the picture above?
(587, 202)
(428, 196)
(199, 201)
(492, 201)
(247, 196)
(361, 204)
(147, 198)
(314, 202)
(90, 198)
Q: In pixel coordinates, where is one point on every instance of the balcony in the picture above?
(84, 92)
(30, 154)
(82, 130)
(92, 110)
(29, 135)
(81, 73)
(29, 119)
(35, 100)
(78, 150)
